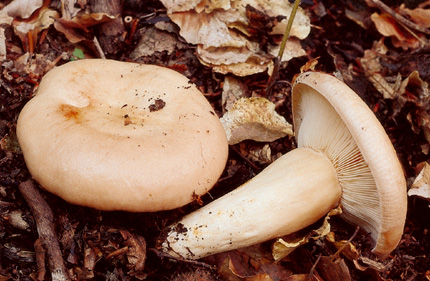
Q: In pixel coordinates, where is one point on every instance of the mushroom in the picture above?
(344, 158)
(121, 136)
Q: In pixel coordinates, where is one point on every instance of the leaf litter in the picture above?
(393, 60)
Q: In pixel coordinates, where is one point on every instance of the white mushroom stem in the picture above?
(305, 191)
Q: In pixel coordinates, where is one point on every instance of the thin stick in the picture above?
(311, 272)
(278, 59)
(45, 227)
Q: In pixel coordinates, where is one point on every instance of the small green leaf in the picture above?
(77, 54)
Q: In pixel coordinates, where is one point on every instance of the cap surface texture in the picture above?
(121, 136)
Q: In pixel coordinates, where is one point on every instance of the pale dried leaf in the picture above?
(5, 18)
(201, 28)
(210, 5)
(15, 218)
(262, 155)
(69, 9)
(22, 8)
(224, 55)
(282, 248)
(2, 45)
(219, 29)
(292, 49)
(255, 64)
(421, 185)
(179, 5)
(255, 119)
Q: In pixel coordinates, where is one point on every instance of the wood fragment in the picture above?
(44, 218)
(40, 259)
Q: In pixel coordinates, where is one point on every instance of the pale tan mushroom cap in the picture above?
(121, 136)
(330, 117)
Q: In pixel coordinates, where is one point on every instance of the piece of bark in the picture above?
(110, 34)
(40, 259)
(44, 218)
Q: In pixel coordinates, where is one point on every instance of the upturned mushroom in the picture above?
(121, 136)
(344, 158)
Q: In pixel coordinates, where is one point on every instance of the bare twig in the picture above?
(192, 262)
(45, 227)
(99, 49)
(399, 17)
(311, 272)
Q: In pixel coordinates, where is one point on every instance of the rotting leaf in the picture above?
(255, 119)
(136, 253)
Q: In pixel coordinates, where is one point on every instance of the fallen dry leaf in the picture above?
(76, 29)
(3, 49)
(419, 15)
(28, 30)
(388, 26)
(22, 8)
(232, 35)
(255, 119)
(282, 248)
(421, 185)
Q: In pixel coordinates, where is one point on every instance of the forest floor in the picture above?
(99, 245)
